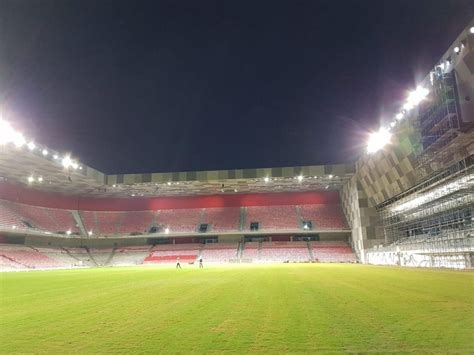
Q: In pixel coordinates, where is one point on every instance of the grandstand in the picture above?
(408, 203)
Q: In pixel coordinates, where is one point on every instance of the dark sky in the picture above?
(140, 86)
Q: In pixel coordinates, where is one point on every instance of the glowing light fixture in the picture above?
(300, 178)
(66, 162)
(457, 49)
(266, 179)
(45, 152)
(31, 179)
(9, 135)
(377, 140)
(167, 230)
(40, 179)
(31, 146)
(471, 29)
(89, 233)
(68, 232)
(399, 116)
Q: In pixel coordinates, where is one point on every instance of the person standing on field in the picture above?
(178, 264)
(200, 262)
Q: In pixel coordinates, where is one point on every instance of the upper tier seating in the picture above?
(104, 223)
(222, 219)
(9, 218)
(138, 222)
(46, 219)
(180, 220)
(324, 216)
(273, 217)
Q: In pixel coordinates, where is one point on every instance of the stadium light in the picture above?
(300, 178)
(457, 49)
(68, 232)
(31, 146)
(266, 179)
(9, 135)
(31, 179)
(399, 116)
(45, 152)
(167, 230)
(471, 29)
(40, 179)
(415, 97)
(377, 140)
(66, 162)
(89, 233)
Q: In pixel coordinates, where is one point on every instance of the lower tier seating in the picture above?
(219, 252)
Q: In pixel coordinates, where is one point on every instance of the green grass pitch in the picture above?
(265, 309)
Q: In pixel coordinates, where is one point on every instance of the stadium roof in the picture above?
(45, 172)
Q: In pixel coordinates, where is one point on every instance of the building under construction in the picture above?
(416, 196)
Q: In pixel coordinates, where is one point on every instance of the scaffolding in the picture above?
(432, 224)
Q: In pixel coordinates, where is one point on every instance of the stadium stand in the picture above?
(168, 253)
(273, 217)
(222, 219)
(30, 217)
(324, 216)
(336, 251)
(130, 255)
(251, 251)
(284, 252)
(27, 257)
(136, 222)
(219, 252)
(180, 220)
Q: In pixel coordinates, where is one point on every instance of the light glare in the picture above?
(378, 140)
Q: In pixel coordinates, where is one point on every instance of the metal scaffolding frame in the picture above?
(432, 226)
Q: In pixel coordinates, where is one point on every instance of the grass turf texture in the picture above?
(268, 309)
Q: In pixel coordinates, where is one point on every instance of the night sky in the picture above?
(149, 86)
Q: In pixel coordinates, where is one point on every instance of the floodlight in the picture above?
(66, 161)
(9, 135)
(31, 179)
(471, 29)
(457, 49)
(399, 116)
(167, 230)
(392, 124)
(45, 152)
(415, 97)
(31, 146)
(40, 179)
(300, 178)
(377, 140)
(266, 179)
(89, 233)
(68, 232)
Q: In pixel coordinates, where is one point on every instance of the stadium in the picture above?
(290, 254)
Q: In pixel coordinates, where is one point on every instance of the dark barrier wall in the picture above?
(34, 197)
